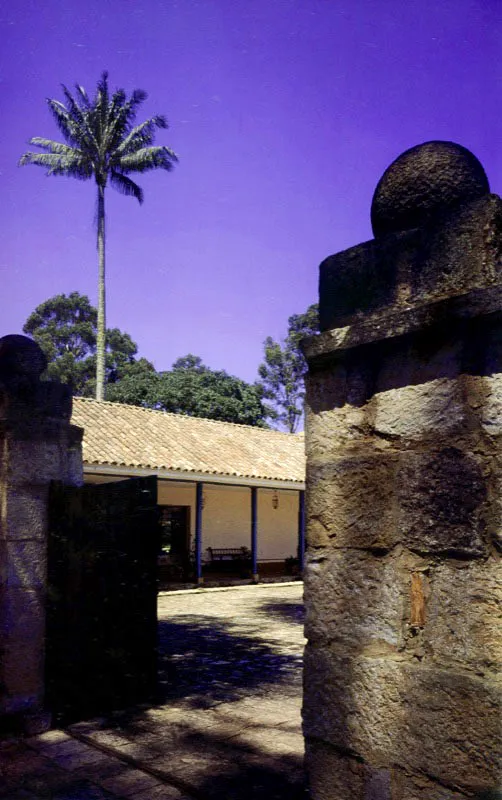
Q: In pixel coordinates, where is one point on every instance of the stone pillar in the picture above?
(37, 445)
(404, 495)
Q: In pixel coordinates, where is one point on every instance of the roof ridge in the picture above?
(185, 416)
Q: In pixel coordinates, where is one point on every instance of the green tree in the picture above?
(65, 327)
(136, 385)
(194, 389)
(102, 142)
(283, 370)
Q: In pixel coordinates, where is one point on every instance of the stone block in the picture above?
(350, 502)
(74, 473)
(377, 783)
(456, 721)
(355, 599)
(26, 563)
(23, 512)
(441, 496)
(494, 528)
(329, 432)
(484, 395)
(22, 631)
(430, 410)
(332, 776)
(364, 278)
(33, 462)
(3, 564)
(406, 786)
(462, 253)
(443, 724)
(23, 676)
(336, 409)
(352, 703)
(464, 615)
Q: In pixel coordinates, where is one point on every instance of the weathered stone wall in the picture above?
(403, 585)
(37, 445)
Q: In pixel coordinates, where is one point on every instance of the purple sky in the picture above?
(284, 114)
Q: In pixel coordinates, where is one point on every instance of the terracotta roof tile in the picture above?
(124, 435)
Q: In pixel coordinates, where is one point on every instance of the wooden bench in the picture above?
(229, 553)
(229, 557)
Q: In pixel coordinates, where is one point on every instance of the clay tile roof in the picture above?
(131, 436)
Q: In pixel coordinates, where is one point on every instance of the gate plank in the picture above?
(101, 651)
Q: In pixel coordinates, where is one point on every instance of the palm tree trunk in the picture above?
(101, 335)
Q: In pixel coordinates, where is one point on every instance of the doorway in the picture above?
(175, 541)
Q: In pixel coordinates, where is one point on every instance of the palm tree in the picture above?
(102, 142)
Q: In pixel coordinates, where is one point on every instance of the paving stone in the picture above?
(100, 770)
(84, 790)
(60, 748)
(50, 737)
(137, 751)
(265, 740)
(78, 760)
(162, 792)
(129, 782)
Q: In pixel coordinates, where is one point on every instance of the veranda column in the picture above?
(254, 534)
(37, 445)
(404, 495)
(199, 505)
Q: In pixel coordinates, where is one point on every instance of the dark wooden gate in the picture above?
(101, 644)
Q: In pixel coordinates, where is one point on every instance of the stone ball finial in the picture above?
(424, 183)
(21, 356)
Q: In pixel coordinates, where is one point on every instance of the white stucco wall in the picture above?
(226, 520)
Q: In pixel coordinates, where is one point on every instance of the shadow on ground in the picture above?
(289, 612)
(256, 782)
(202, 658)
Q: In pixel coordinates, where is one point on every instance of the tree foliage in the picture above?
(65, 327)
(194, 389)
(102, 142)
(283, 370)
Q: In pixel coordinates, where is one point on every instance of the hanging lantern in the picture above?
(275, 500)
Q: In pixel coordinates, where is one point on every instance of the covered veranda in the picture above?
(200, 548)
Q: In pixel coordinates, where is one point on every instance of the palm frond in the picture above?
(117, 122)
(138, 96)
(126, 186)
(131, 108)
(146, 159)
(56, 147)
(80, 120)
(142, 135)
(64, 121)
(125, 117)
(84, 97)
(101, 106)
(57, 164)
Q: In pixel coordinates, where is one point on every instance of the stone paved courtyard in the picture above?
(227, 721)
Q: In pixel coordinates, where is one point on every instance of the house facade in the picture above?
(220, 486)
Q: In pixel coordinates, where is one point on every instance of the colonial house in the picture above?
(228, 494)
